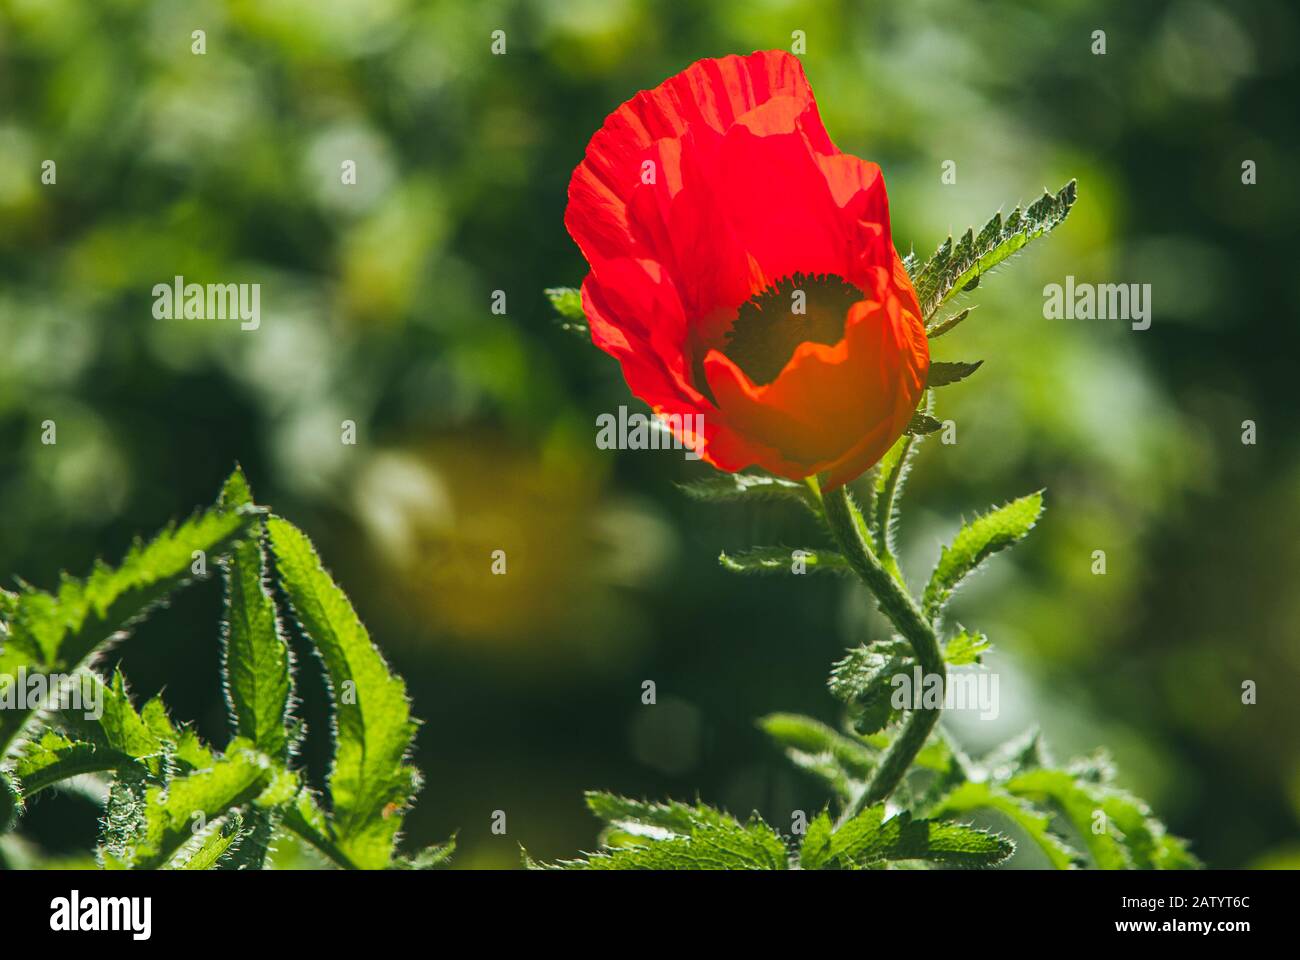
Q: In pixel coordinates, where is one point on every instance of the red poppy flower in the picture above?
(742, 269)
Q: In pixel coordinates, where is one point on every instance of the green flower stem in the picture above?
(850, 530)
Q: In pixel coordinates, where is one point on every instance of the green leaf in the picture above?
(649, 818)
(433, 856)
(938, 329)
(966, 648)
(783, 560)
(869, 840)
(976, 541)
(749, 488)
(123, 821)
(221, 841)
(960, 265)
(887, 488)
(184, 744)
(842, 762)
(1022, 752)
(11, 802)
(864, 681)
(54, 758)
(63, 631)
(1079, 806)
(922, 424)
(256, 662)
(567, 302)
(971, 796)
(170, 812)
(1130, 837)
(943, 372)
(370, 782)
(711, 841)
(254, 843)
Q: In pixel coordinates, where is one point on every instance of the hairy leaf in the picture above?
(975, 542)
(887, 488)
(943, 372)
(748, 488)
(972, 796)
(864, 681)
(922, 424)
(171, 813)
(64, 631)
(1117, 828)
(939, 328)
(841, 761)
(370, 782)
(717, 843)
(957, 266)
(255, 655)
(54, 758)
(223, 840)
(567, 302)
(966, 648)
(869, 839)
(783, 560)
(652, 818)
(432, 856)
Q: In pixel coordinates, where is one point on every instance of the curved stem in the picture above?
(850, 530)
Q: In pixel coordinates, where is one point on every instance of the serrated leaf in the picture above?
(719, 843)
(975, 542)
(11, 802)
(946, 325)
(183, 743)
(748, 488)
(254, 843)
(370, 782)
(864, 681)
(842, 762)
(971, 796)
(1131, 838)
(567, 302)
(887, 487)
(922, 424)
(1025, 751)
(256, 663)
(869, 839)
(433, 856)
(651, 818)
(222, 840)
(942, 373)
(54, 758)
(966, 648)
(1079, 805)
(123, 820)
(170, 812)
(783, 560)
(62, 632)
(960, 266)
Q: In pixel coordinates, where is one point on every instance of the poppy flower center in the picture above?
(794, 310)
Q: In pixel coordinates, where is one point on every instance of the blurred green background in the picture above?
(476, 431)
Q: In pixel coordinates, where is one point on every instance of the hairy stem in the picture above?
(850, 530)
